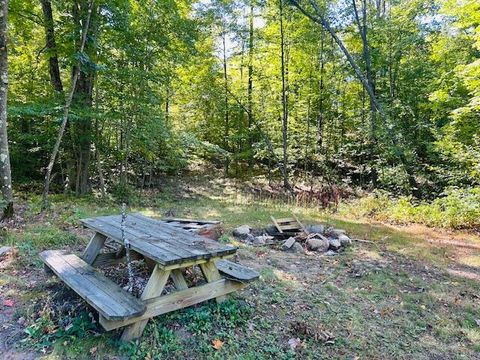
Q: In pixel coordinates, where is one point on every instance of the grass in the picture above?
(387, 299)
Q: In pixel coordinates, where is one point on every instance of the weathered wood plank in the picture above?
(236, 271)
(201, 222)
(154, 288)
(211, 273)
(298, 221)
(137, 242)
(286, 220)
(159, 240)
(290, 227)
(179, 279)
(178, 300)
(93, 248)
(109, 299)
(183, 237)
(276, 224)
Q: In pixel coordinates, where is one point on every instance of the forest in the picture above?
(363, 115)
(370, 94)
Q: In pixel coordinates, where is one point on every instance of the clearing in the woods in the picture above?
(407, 292)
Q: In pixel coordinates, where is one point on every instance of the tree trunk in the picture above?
(66, 111)
(5, 171)
(250, 85)
(284, 100)
(83, 98)
(227, 121)
(51, 46)
(320, 94)
(362, 29)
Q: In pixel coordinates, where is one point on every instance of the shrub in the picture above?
(456, 208)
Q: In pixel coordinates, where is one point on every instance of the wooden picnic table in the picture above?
(171, 248)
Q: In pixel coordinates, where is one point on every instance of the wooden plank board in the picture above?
(287, 220)
(211, 273)
(159, 240)
(298, 221)
(109, 299)
(276, 224)
(179, 238)
(201, 222)
(185, 238)
(136, 242)
(236, 271)
(93, 248)
(178, 300)
(179, 279)
(290, 227)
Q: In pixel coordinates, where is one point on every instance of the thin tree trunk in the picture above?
(362, 29)
(284, 100)
(167, 102)
(51, 46)
(98, 141)
(250, 84)
(227, 121)
(66, 111)
(320, 94)
(5, 171)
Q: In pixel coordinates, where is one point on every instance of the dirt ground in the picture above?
(406, 292)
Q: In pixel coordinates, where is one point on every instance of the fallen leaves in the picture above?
(317, 333)
(8, 302)
(294, 343)
(217, 344)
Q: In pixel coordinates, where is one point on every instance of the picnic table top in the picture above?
(158, 240)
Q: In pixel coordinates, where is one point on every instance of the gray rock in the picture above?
(318, 244)
(271, 229)
(297, 248)
(4, 250)
(242, 231)
(288, 243)
(319, 229)
(336, 232)
(249, 239)
(334, 244)
(331, 253)
(344, 240)
(262, 239)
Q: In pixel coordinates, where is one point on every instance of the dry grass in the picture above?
(391, 298)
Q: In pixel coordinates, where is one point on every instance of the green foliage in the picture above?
(199, 325)
(45, 332)
(456, 208)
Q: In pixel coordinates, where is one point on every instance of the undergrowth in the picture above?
(456, 209)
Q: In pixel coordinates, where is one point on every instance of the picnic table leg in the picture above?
(93, 248)
(179, 279)
(210, 271)
(154, 288)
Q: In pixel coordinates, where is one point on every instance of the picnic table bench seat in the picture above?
(234, 271)
(108, 298)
